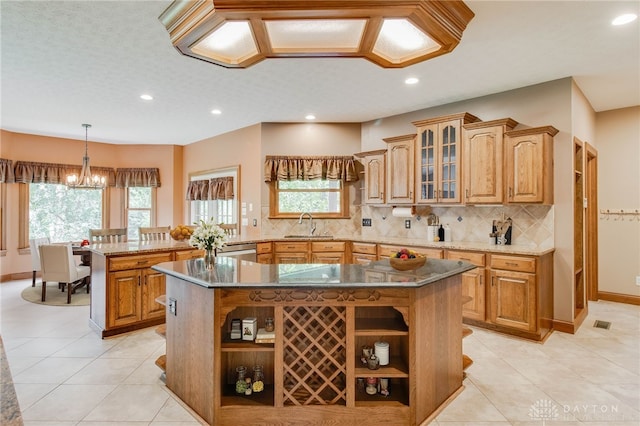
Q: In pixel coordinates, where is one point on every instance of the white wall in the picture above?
(618, 145)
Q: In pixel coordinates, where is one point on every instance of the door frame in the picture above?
(591, 222)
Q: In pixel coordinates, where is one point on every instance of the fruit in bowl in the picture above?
(406, 259)
(181, 233)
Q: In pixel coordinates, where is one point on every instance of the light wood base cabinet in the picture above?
(124, 289)
(473, 284)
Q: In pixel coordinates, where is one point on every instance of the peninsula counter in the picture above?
(323, 315)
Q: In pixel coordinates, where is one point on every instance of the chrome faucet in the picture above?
(312, 226)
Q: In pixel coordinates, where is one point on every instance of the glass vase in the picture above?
(210, 259)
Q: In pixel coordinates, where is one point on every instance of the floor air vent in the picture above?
(602, 324)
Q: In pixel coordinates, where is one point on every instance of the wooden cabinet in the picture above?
(473, 284)
(133, 288)
(328, 252)
(521, 294)
(375, 170)
(400, 163)
(291, 252)
(387, 250)
(124, 289)
(438, 158)
(264, 253)
(363, 253)
(483, 166)
(529, 165)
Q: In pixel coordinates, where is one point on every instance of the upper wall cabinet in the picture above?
(400, 180)
(374, 176)
(483, 166)
(438, 157)
(529, 165)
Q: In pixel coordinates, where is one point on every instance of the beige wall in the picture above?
(237, 148)
(25, 147)
(618, 144)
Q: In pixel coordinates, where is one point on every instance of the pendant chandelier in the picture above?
(86, 180)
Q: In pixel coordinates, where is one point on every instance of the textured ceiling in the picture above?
(65, 63)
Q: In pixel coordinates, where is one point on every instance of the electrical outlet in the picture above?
(173, 306)
(366, 222)
(637, 279)
(407, 223)
(255, 222)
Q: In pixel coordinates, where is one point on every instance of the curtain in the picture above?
(6, 171)
(309, 168)
(211, 189)
(126, 178)
(30, 172)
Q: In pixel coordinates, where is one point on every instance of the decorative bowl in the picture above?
(407, 264)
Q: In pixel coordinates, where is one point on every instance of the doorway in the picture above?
(591, 225)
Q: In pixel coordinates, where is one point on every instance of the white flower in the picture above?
(208, 236)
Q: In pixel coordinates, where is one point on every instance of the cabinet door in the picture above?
(449, 162)
(153, 285)
(438, 162)
(426, 166)
(291, 258)
(266, 258)
(374, 179)
(400, 179)
(513, 299)
(124, 298)
(483, 150)
(362, 259)
(525, 169)
(328, 257)
(473, 287)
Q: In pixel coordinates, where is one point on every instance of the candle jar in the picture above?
(373, 362)
(372, 385)
(258, 379)
(241, 384)
(268, 325)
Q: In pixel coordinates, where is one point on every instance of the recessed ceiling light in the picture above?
(411, 80)
(624, 19)
(146, 97)
(216, 112)
(310, 117)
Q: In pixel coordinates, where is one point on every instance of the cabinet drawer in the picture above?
(262, 248)
(428, 252)
(188, 254)
(291, 247)
(477, 259)
(138, 262)
(513, 263)
(317, 246)
(364, 248)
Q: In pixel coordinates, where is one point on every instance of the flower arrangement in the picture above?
(208, 236)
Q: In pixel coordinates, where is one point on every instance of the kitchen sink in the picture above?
(315, 237)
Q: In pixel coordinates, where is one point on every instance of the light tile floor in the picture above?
(64, 374)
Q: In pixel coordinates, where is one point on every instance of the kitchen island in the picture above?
(323, 316)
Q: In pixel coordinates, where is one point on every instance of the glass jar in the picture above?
(241, 384)
(268, 324)
(258, 379)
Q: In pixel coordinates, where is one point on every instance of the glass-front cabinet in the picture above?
(438, 153)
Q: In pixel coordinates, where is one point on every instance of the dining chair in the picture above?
(58, 265)
(34, 245)
(108, 235)
(157, 233)
(231, 229)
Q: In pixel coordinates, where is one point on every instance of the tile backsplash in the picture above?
(532, 224)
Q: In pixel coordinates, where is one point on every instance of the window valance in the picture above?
(211, 189)
(30, 172)
(149, 177)
(310, 168)
(6, 171)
